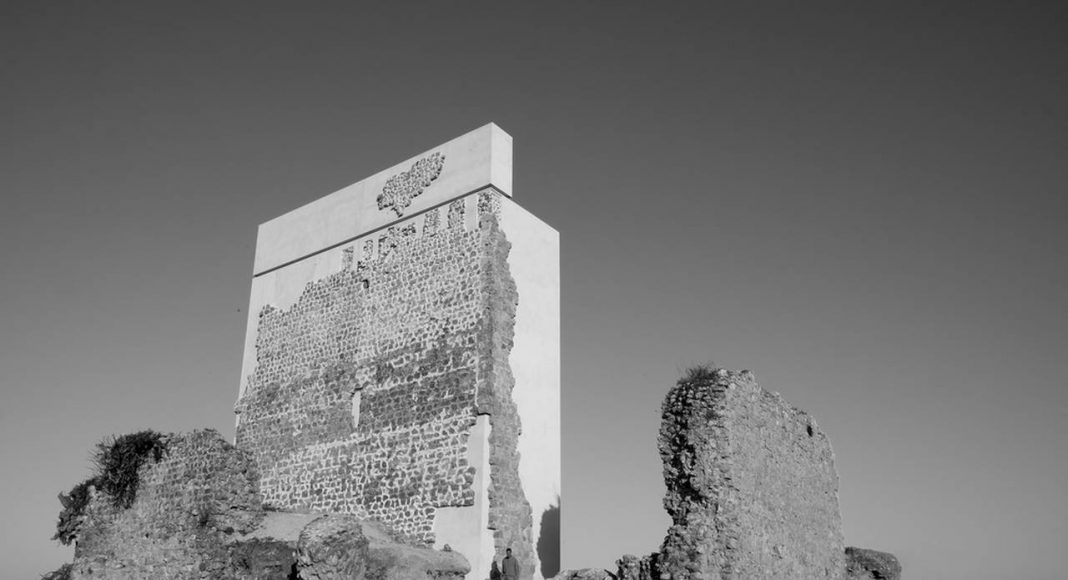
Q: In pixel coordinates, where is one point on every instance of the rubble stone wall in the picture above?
(366, 389)
(197, 516)
(752, 487)
(510, 515)
(203, 489)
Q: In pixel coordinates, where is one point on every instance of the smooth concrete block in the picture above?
(470, 162)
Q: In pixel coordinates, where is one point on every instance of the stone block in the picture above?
(332, 547)
(585, 574)
(864, 564)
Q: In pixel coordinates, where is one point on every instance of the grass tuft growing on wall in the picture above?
(62, 573)
(116, 462)
(74, 503)
(700, 372)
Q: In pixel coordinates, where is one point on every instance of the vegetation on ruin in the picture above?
(116, 463)
(700, 372)
(61, 573)
(74, 503)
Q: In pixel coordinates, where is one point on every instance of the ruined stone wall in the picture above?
(366, 389)
(197, 516)
(202, 490)
(752, 488)
(510, 515)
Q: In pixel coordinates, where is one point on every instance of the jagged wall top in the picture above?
(468, 163)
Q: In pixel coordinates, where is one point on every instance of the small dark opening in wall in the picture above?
(366, 284)
(808, 429)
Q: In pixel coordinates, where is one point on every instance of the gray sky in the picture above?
(863, 203)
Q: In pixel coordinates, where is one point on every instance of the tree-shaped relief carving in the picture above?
(405, 186)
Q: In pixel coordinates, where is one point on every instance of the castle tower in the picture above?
(402, 357)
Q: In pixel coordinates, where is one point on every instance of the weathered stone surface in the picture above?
(263, 559)
(332, 547)
(630, 567)
(385, 558)
(203, 491)
(61, 573)
(752, 487)
(752, 491)
(391, 560)
(585, 574)
(864, 564)
(197, 516)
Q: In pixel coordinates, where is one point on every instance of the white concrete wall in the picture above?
(534, 262)
(466, 529)
(305, 244)
(472, 161)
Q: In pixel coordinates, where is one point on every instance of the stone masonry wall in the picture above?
(510, 514)
(202, 490)
(752, 488)
(197, 516)
(365, 391)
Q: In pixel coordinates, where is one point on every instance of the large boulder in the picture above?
(863, 564)
(631, 567)
(332, 547)
(263, 559)
(391, 559)
(585, 574)
(269, 552)
(343, 546)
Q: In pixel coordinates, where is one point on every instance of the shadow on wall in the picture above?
(549, 541)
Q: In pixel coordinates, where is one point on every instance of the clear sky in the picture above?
(863, 203)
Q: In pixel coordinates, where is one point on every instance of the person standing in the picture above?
(509, 566)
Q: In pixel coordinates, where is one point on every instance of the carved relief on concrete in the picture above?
(400, 189)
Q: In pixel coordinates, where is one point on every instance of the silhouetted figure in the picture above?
(510, 566)
(495, 572)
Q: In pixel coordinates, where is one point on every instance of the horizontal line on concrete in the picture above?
(379, 228)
